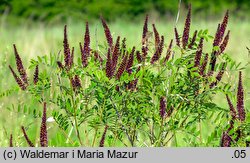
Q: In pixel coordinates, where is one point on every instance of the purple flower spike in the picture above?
(163, 106)
(186, 30)
(240, 100)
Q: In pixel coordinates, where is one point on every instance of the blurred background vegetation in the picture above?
(63, 10)
(36, 27)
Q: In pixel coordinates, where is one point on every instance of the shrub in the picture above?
(161, 98)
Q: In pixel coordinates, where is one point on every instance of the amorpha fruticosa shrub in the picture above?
(157, 94)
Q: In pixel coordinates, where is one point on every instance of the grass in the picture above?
(40, 40)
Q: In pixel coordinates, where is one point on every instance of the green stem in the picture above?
(75, 117)
(66, 136)
(169, 140)
(151, 135)
(76, 124)
(70, 132)
(200, 127)
(86, 136)
(93, 143)
(159, 140)
(175, 139)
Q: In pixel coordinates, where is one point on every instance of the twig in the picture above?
(119, 117)
(93, 143)
(169, 139)
(178, 14)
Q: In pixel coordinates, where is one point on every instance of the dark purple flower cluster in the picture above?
(130, 61)
(75, 83)
(138, 56)
(109, 66)
(203, 65)
(11, 140)
(123, 49)
(219, 76)
(97, 57)
(17, 79)
(145, 39)
(231, 107)
(132, 85)
(35, 80)
(217, 42)
(43, 128)
(157, 36)
(87, 40)
(67, 57)
(226, 139)
(224, 43)
(83, 56)
(191, 44)
(163, 106)
(145, 31)
(240, 99)
(177, 37)
(26, 137)
(186, 30)
(22, 81)
(107, 33)
(20, 67)
(116, 53)
(158, 51)
(198, 53)
(85, 50)
(60, 65)
(122, 67)
(217, 36)
(168, 54)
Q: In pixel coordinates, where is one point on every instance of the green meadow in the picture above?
(38, 39)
